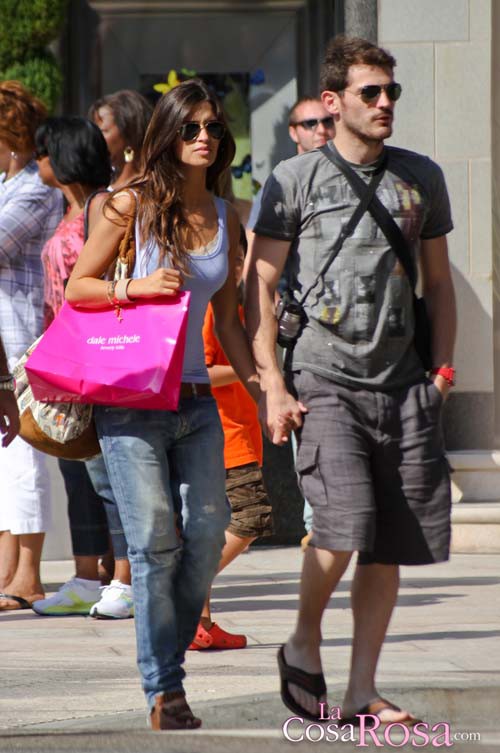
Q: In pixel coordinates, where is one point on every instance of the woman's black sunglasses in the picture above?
(190, 131)
(371, 92)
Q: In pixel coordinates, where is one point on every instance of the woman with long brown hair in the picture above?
(163, 463)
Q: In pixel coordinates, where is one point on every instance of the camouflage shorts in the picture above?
(251, 512)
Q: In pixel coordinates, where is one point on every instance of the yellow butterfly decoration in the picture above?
(173, 80)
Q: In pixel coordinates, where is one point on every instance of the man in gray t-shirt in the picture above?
(371, 456)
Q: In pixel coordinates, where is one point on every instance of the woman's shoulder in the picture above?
(232, 216)
(119, 207)
(124, 200)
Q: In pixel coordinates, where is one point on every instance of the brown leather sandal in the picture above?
(171, 711)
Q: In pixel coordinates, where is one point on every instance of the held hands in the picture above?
(279, 415)
(9, 418)
(163, 281)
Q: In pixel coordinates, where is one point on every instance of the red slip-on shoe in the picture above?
(201, 640)
(222, 639)
(216, 638)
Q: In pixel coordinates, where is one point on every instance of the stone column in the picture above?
(449, 66)
(360, 19)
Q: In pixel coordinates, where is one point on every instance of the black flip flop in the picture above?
(23, 604)
(311, 683)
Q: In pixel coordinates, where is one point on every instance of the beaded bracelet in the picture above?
(110, 292)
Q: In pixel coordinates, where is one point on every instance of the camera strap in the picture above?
(380, 214)
(367, 197)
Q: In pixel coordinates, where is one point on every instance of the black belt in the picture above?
(192, 389)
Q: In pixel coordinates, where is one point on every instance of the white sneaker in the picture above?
(74, 597)
(116, 602)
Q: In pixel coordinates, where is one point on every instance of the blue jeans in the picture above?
(96, 469)
(87, 517)
(164, 464)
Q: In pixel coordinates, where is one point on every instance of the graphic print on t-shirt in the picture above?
(350, 334)
(331, 310)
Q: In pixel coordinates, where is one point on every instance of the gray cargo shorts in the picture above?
(373, 467)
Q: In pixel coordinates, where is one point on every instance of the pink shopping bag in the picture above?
(91, 356)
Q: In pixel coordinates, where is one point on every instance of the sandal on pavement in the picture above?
(23, 603)
(314, 684)
(374, 709)
(216, 638)
(171, 711)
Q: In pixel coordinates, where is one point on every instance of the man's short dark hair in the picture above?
(292, 114)
(342, 52)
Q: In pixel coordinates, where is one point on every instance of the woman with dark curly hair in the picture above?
(165, 462)
(29, 214)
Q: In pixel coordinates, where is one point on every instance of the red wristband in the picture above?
(447, 372)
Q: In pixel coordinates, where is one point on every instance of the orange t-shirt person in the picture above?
(237, 410)
(251, 511)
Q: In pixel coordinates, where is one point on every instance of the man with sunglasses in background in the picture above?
(310, 125)
(371, 456)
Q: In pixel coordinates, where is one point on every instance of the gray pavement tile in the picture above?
(64, 679)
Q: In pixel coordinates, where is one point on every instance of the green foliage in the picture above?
(27, 26)
(41, 75)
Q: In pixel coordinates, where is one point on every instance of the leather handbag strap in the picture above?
(366, 196)
(380, 214)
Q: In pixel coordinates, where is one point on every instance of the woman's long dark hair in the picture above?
(159, 188)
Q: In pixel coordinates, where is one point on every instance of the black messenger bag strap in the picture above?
(380, 214)
(366, 196)
(397, 241)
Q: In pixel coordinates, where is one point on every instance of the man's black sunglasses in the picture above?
(371, 92)
(190, 131)
(311, 123)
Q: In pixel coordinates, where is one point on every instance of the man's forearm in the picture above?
(440, 301)
(262, 328)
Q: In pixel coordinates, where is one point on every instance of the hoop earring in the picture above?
(128, 154)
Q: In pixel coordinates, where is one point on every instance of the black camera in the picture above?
(291, 319)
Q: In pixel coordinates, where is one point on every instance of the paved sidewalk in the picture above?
(70, 683)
